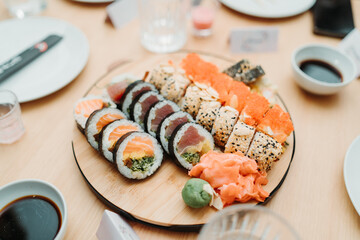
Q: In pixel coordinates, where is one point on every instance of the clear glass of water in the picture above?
(163, 24)
(247, 222)
(24, 8)
(11, 125)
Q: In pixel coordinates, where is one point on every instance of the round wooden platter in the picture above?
(156, 200)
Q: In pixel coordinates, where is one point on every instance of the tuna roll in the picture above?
(168, 125)
(112, 132)
(142, 104)
(98, 120)
(157, 113)
(188, 143)
(137, 155)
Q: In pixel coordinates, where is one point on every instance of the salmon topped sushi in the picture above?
(254, 110)
(137, 155)
(276, 123)
(238, 95)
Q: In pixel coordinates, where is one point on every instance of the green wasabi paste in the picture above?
(194, 195)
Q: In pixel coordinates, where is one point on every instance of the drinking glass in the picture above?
(247, 222)
(23, 8)
(162, 24)
(11, 125)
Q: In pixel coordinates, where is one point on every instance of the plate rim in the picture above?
(85, 51)
(230, 5)
(346, 177)
(175, 227)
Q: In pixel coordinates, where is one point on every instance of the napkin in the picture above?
(121, 12)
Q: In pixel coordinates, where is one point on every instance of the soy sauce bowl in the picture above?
(329, 55)
(30, 187)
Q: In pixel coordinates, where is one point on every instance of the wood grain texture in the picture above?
(313, 198)
(156, 200)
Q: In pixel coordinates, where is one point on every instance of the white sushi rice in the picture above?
(129, 98)
(105, 144)
(180, 133)
(138, 107)
(152, 114)
(163, 140)
(91, 129)
(127, 172)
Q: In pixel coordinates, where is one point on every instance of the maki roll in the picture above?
(137, 155)
(175, 87)
(224, 124)
(84, 107)
(112, 132)
(168, 125)
(188, 143)
(157, 113)
(160, 74)
(207, 113)
(99, 119)
(190, 103)
(240, 138)
(131, 92)
(142, 104)
(255, 108)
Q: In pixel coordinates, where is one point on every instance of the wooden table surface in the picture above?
(313, 197)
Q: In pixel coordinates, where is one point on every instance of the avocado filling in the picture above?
(140, 165)
(192, 158)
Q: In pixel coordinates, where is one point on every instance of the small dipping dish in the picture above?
(321, 60)
(29, 207)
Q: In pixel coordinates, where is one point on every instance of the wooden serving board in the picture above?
(156, 200)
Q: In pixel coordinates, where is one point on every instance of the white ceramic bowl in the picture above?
(326, 54)
(26, 187)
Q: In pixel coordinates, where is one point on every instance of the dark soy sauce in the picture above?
(30, 218)
(321, 71)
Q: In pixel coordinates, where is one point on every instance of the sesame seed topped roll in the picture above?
(265, 150)
(240, 138)
(224, 124)
(190, 103)
(175, 87)
(160, 74)
(207, 114)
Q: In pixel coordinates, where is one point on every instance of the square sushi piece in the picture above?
(240, 138)
(175, 86)
(224, 124)
(264, 150)
(207, 113)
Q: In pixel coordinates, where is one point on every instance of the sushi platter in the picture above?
(156, 198)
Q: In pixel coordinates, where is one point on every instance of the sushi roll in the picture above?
(277, 124)
(207, 114)
(224, 124)
(175, 87)
(118, 85)
(264, 150)
(255, 108)
(191, 101)
(137, 155)
(84, 107)
(141, 105)
(168, 125)
(237, 95)
(112, 132)
(157, 113)
(131, 92)
(160, 75)
(99, 119)
(240, 138)
(188, 143)
(238, 68)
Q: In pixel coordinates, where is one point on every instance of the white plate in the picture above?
(49, 72)
(94, 1)
(270, 8)
(351, 173)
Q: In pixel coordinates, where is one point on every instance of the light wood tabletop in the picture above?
(313, 197)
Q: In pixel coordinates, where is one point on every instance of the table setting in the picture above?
(186, 119)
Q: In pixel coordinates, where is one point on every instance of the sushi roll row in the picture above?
(136, 154)
(176, 130)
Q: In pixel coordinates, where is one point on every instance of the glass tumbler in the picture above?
(23, 8)
(162, 24)
(11, 125)
(247, 222)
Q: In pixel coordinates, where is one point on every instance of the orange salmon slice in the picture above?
(106, 119)
(121, 131)
(89, 106)
(138, 144)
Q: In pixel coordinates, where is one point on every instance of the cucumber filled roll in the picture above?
(157, 113)
(188, 143)
(99, 119)
(131, 92)
(137, 155)
(142, 104)
(113, 132)
(168, 125)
